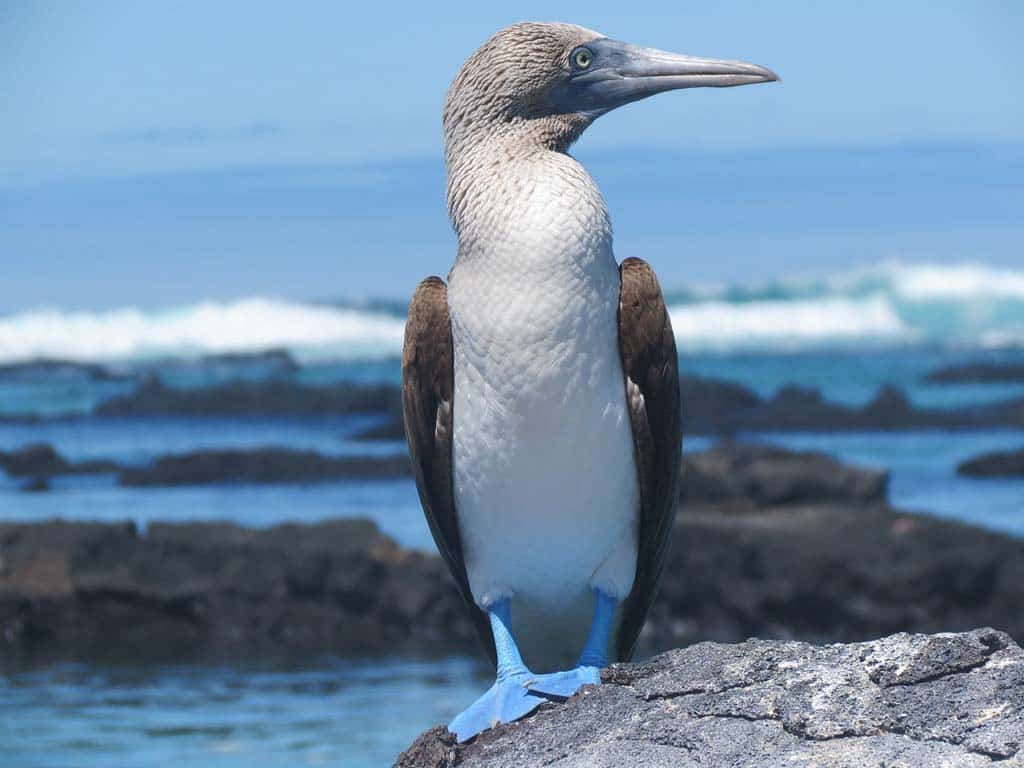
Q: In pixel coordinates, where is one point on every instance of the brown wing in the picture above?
(427, 389)
(649, 363)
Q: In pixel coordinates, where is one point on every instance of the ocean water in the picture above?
(845, 334)
(357, 713)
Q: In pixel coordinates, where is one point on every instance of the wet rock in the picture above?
(262, 465)
(105, 591)
(763, 475)
(36, 485)
(41, 460)
(259, 465)
(995, 464)
(906, 700)
(828, 572)
(224, 366)
(36, 459)
(393, 429)
(49, 369)
(255, 398)
(712, 407)
(279, 360)
(978, 373)
(814, 554)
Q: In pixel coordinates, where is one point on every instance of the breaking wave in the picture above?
(965, 305)
(892, 303)
(246, 325)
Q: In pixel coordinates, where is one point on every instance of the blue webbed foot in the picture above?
(518, 691)
(588, 671)
(508, 699)
(562, 685)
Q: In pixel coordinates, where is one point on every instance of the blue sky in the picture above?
(166, 153)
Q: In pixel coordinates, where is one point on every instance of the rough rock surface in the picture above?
(797, 408)
(91, 590)
(906, 701)
(978, 373)
(393, 429)
(41, 460)
(716, 407)
(777, 545)
(831, 573)
(995, 464)
(255, 398)
(262, 465)
(765, 475)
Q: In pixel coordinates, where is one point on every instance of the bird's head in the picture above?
(551, 81)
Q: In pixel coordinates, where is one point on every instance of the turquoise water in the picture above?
(352, 713)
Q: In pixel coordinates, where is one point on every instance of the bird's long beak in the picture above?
(621, 73)
(647, 71)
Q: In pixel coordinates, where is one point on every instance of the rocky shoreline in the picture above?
(710, 406)
(904, 700)
(271, 397)
(769, 543)
(91, 591)
(978, 373)
(40, 462)
(995, 464)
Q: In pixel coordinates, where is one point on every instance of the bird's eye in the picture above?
(582, 58)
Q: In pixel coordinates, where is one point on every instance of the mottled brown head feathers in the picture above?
(502, 87)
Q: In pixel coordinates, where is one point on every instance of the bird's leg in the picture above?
(510, 662)
(595, 652)
(592, 659)
(510, 697)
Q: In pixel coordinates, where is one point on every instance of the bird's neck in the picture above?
(479, 147)
(523, 204)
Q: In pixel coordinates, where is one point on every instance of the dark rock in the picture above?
(712, 407)
(978, 373)
(262, 465)
(95, 467)
(890, 405)
(100, 591)
(995, 464)
(280, 360)
(255, 398)
(51, 369)
(36, 459)
(822, 560)
(828, 572)
(762, 475)
(41, 460)
(392, 429)
(224, 366)
(795, 408)
(904, 700)
(258, 465)
(36, 485)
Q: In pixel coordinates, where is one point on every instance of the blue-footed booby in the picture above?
(540, 386)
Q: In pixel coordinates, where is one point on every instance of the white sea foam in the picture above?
(240, 326)
(782, 323)
(924, 282)
(963, 304)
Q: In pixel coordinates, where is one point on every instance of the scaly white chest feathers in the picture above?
(545, 482)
